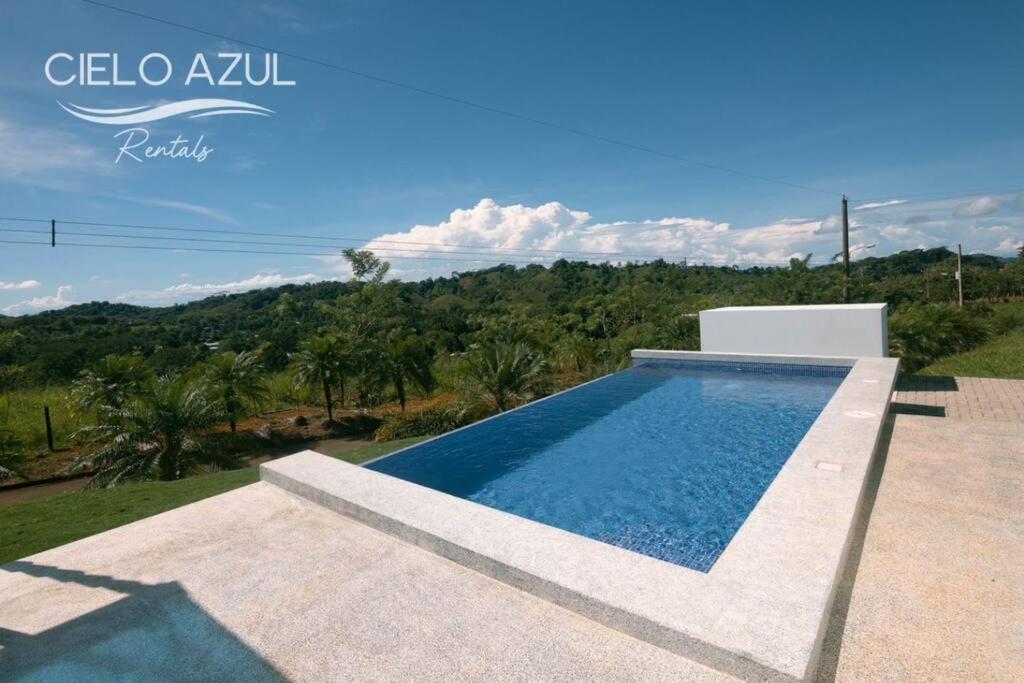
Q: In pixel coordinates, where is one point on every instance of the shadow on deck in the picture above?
(154, 632)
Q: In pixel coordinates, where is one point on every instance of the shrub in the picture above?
(920, 335)
(435, 419)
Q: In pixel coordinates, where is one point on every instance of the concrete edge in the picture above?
(879, 430)
(729, 357)
(612, 616)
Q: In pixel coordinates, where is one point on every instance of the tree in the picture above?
(233, 381)
(287, 307)
(158, 433)
(316, 365)
(575, 352)
(405, 361)
(366, 264)
(10, 343)
(505, 371)
(800, 264)
(108, 385)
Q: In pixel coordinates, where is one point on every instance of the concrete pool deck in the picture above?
(258, 584)
(261, 584)
(760, 611)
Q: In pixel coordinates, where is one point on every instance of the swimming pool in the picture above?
(666, 459)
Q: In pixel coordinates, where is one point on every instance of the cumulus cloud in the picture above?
(24, 284)
(187, 291)
(1009, 245)
(981, 206)
(42, 303)
(916, 219)
(490, 233)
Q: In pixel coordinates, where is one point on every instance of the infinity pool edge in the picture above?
(762, 610)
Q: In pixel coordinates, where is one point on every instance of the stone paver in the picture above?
(970, 398)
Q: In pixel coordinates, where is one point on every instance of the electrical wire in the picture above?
(457, 249)
(515, 260)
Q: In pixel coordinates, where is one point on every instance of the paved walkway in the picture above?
(934, 589)
(968, 398)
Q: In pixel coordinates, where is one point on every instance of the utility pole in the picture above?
(846, 253)
(49, 428)
(960, 274)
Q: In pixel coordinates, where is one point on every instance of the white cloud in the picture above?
(490, 233)
(1009, 245)
(34, 155)
(879, 205)
(896, 231)
(198, 209)
(24, 284)
(42, 303)
(982, 206)
(187, 291)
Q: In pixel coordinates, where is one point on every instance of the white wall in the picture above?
(842, 330)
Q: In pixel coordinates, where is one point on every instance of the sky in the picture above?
(916, 116)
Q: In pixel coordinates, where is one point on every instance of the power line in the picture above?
(355, 240)
(458, 249)
(464, 102)
(189, 248)
(514, 260)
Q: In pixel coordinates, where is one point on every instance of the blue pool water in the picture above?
(666, 459)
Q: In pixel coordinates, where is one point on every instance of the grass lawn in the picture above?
(37, 525)
(1002, 356)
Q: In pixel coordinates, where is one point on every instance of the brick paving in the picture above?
(964, 398)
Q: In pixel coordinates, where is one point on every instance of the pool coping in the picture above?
(760, 612)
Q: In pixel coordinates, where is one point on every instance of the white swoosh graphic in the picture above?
(205, 107)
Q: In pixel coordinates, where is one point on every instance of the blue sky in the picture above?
(881, 101)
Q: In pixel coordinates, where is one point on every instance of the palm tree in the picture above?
(505, 371)
(235, 380)
(316, 364)
(576, 352)
(156, 433)
(407, 361)
(108, 384)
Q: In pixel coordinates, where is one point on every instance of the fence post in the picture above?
(49, 428)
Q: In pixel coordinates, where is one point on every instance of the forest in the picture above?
(136, 388)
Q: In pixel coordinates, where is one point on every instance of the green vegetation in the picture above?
(464, 346)
(37, 525)
(436, 419)
(1001, 357)
(922, 334)
(236, 381)
(158, 432)
(506, 372)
